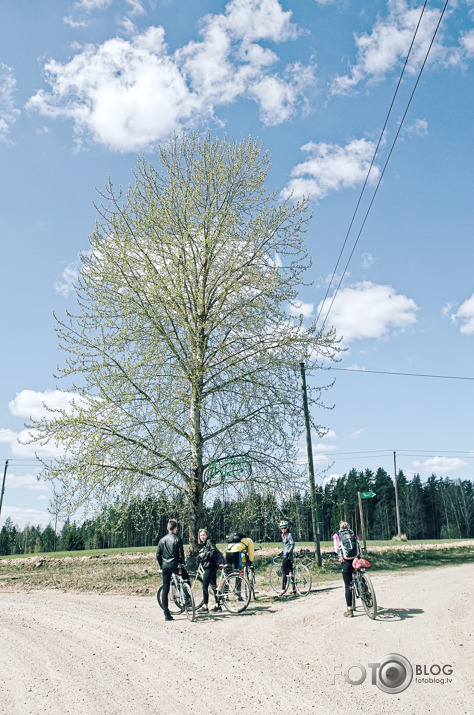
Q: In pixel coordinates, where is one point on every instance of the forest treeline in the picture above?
(436, 508)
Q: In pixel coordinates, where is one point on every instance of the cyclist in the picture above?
(346, 546)
(211, 559)
(237, 545)
(170, 556)
(287, 553)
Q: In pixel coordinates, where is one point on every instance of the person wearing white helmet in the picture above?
(287, 553)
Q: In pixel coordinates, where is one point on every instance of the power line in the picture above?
(400, 452)
(371, 165)
(385, 165)
(403, 374)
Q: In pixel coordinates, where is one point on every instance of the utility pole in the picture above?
(3, 485)
(314, 507)
(362, 525)
(396, 492)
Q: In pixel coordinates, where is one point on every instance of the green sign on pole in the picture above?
(367, 495)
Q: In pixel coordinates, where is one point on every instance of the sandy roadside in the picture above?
(88, 654)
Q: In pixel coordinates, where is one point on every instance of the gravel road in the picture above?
(88, 654)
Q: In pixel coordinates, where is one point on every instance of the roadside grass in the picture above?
(134, 571)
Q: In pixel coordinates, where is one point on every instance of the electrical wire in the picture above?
(371, 164)
(385, 167)
(403, 374)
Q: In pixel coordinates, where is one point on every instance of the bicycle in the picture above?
(249, 572)
(299, 575)
(361, 587)
(233, 590)
(180, 597)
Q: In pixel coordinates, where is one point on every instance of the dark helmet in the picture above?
(235, 537)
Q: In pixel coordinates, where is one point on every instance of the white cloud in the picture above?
(367, 260)
(125, 94)
(330, 434)
(7, 436)
(467, 43)
(92, 5)
(30, 404)
(136, 7)
(25, 517)
(259, 20)
(323, 448)
(331, 168)
(129, 94)
(18, 448)
(418, 128)
(69, 277)
(8, 111)
(357, 433)
(319, 459)
(366, 310)
(464, 315)
(300, 308)
(381, 50)
(277, 96)
(439, 465)
(27, 481)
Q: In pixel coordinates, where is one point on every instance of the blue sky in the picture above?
(87, 86)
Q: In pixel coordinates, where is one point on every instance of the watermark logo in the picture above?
(393, 673)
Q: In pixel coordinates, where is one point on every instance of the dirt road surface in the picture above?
(88, 654)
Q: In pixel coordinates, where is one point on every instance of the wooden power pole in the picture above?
(314, 506)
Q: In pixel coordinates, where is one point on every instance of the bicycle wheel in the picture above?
(302, 579)
(174, 605)
(275, 578)
(189, 604)
(196, 589)
(236, 594)
(367, 596)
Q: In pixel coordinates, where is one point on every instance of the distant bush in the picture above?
(402, 537)
(450, 531)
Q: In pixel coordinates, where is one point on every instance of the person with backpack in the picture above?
(170, 556)
(237, 544)
(346, 546)
(211, 560)
(287, 553)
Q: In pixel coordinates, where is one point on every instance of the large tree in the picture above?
(182, 358)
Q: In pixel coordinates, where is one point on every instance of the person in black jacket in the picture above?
(170, 555)
(211, 560)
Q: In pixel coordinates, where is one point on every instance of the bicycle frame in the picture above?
(181, 595)
(362, 588)
(299, 575)
(224, 588)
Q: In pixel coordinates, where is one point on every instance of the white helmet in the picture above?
(283, 525)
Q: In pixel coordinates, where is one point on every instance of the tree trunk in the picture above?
(196, 490)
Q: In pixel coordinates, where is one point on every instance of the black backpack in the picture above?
(348, 542)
